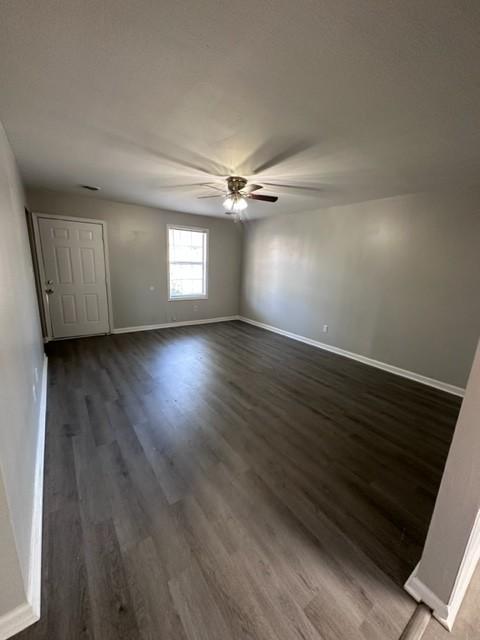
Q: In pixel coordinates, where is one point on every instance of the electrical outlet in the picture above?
(195, 308)
(151, 288)
(325, 328)
(173, 318)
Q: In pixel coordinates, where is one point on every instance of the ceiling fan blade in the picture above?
(217, 195)
(254, 196)
(252, 187)
(293, 186)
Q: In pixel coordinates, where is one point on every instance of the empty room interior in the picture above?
(239, 320)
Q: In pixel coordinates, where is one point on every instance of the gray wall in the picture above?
(21, 363)
(137, 247)
(397, 280)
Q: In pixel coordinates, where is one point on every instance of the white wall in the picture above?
(12, 589)
(396, 280)
(137, 247)
(21, 366)
(452, 547)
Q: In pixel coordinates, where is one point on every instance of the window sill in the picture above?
(196, 297)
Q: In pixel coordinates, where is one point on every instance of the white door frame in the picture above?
(44, 310)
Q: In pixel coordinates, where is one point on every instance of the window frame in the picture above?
(181, 227)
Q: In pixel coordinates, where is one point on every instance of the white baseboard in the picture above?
(446, 612)
(404, 373)
(421, 593)
(29, 612)
(15, 621)
(168, 325)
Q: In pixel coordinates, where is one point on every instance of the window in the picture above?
(187, 263)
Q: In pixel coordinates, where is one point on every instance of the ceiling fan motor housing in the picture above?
(236, 183)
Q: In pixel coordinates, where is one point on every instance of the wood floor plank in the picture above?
(200, 615)
(225, 482)
(101, 427)
(113, 614)
(69, 606)
(157, 617)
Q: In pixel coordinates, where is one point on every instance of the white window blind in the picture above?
(187, 262)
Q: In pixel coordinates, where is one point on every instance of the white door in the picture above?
(73, 258)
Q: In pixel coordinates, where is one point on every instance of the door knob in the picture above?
(49, 290)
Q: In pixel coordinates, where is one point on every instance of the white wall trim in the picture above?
(29, 612)
(404, 373)
(35, 573)
(168, 325)
(17, 620)
(421, 593)
(446, 612)
(469, 562)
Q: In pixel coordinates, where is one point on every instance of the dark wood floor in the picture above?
(218, 482)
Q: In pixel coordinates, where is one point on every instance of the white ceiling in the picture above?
(359, 99)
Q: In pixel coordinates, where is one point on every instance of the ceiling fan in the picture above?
(237, 193)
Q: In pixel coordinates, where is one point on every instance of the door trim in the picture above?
(44, 311)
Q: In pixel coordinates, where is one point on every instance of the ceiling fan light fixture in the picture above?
(235, 202)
